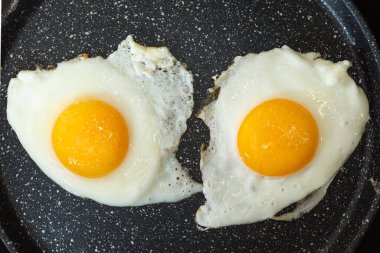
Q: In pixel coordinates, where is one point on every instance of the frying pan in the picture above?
(37, 215)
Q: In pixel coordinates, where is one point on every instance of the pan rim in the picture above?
(374, 55)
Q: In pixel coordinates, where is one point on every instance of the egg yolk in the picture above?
(90, 138)
(277, 138)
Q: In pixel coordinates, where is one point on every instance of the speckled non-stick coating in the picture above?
(37, 215)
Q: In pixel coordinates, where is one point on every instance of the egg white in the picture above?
(234, 193)
(154, 106)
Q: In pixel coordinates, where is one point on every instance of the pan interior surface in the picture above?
(37, 215)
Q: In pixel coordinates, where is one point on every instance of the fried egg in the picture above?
(108, 129)
(282, 126)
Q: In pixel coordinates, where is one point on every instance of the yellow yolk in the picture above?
(90, 138)
(277, 138)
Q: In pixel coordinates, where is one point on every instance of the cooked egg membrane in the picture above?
(237, 194)
(150, 89)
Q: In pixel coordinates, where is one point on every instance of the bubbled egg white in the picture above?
(235, 194)
(147, 86)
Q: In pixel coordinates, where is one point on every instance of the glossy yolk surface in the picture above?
(90, 138)
(277, 138)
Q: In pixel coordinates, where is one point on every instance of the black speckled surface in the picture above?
(37, 215)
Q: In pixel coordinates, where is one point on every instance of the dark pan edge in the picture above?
(371, 44)
(376, 53)
(15, 241)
